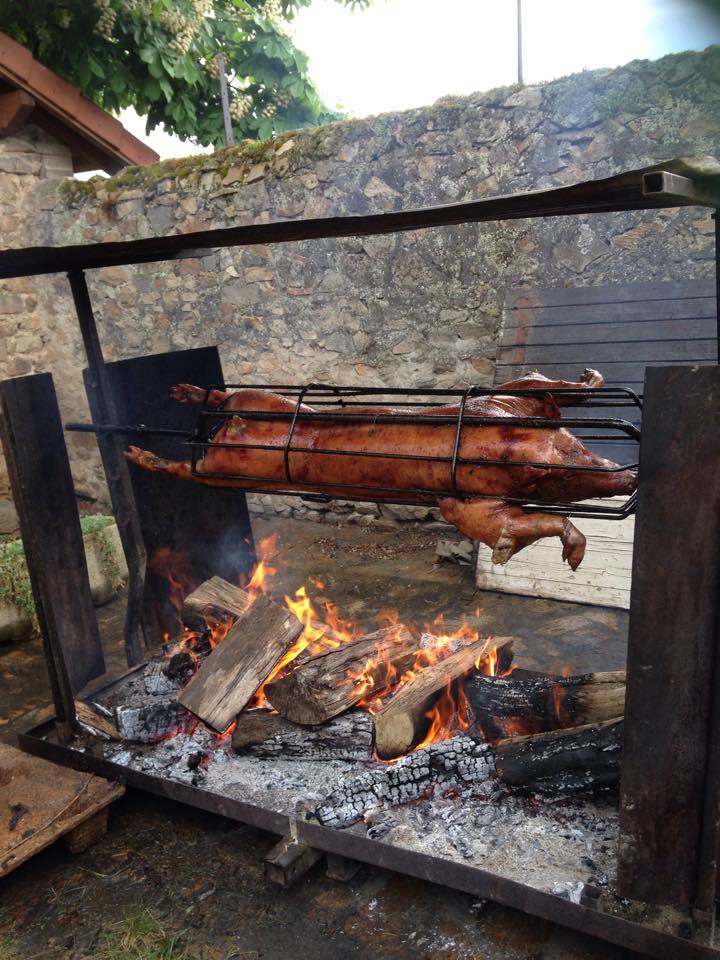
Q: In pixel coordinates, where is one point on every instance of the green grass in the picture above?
(139, 936)
(9, 949)
(15, 585)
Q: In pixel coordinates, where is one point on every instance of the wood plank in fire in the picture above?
(232, 673)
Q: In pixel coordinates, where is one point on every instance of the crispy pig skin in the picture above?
(504, 527)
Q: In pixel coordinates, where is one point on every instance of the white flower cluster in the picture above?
(269, 110)
(282, 98)
(272, 10)
(139, 8)
(212, 69)
(182, 26)
(106, 19)
(240, 105)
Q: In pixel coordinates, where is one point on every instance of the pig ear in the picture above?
(552, 410)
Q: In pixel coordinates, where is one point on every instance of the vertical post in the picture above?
(224, 99)
(672, 642)
(39, 470)
(519, 42)
(103, 410)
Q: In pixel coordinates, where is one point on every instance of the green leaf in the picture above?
(151, 88)
(166, 88)
(156, 69)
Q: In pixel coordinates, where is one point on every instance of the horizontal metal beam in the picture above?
(671, 186)
(612, 194)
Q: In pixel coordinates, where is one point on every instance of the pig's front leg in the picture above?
(507, 528)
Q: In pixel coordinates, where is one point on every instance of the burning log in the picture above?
(329, 683)
(460, 758)
(563, 761)
(402, 721)
(235, 669)
(535, 704)
(214, 601)
(267, 735)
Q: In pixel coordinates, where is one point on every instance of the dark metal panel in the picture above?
(646, 320)
(672, 635)
(642, 352)
(645, 940)
(616, 293)
(40, 743)
(621, 192)
(207, 528)
(42, 487)
(490, 886)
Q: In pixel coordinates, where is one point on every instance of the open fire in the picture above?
(371, 680)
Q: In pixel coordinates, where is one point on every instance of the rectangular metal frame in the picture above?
(636, 190)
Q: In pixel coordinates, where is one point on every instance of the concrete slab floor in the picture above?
(201, 876)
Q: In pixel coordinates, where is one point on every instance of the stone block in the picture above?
(8, 519)
(15, 624)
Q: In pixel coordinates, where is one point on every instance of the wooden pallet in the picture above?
(40, 802)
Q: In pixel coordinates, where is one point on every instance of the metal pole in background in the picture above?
(229, 139)
(519, 42)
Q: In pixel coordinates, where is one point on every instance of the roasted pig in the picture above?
(479, 510)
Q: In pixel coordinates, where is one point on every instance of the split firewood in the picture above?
(459, 760)
(323, 686)
(94, 722)
(262, 734)
(402, 721)
(534, 704)
(214, 601)
(254, 645)
(563, 761)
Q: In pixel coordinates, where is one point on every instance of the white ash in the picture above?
(151, 721)
(555, 846)
(157, 681)
(459, 759)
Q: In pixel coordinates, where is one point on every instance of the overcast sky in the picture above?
(407, 53)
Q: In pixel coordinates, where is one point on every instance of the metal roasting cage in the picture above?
(340, 403)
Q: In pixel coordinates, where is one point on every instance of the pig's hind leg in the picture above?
(507, 528)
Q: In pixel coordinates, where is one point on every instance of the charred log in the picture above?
(460, 759)
(402, 721)
(150, 722)
(534, 704)
(267, 735)
(578, 759)
(327, 684)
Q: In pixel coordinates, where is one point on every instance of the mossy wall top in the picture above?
(418, 308)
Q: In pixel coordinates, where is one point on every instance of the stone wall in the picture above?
(418, 308)
(35, 336)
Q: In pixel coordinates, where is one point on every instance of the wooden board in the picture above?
(42, 486)
(205, 529)
(619, 329)
(603, 578)
(672, 639)
(57, 800)
(238, 665)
